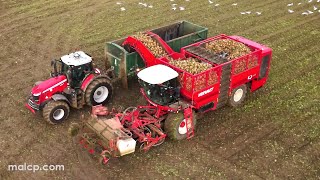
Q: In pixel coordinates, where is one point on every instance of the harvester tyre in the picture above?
(56, 112)
(98, 92)
(238, 95)
(172, 125)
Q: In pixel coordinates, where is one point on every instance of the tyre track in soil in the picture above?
(239, 141)
(34, 137)
(278, 17)
(264, 133)
(229, 169)
(275, 16)
(299, 24)
(43, 14)
(291, 147)
(139, 20)
(268, 164)
(32, 143)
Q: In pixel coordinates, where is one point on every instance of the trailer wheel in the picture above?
(175, 125)
(55, 112)
(98, 92)
(238, 95)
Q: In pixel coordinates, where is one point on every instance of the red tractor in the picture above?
(73, 83)
(174, 96)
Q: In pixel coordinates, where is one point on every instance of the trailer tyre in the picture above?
(175, 125)
(98, 92)
(238, 95)
(56, 112)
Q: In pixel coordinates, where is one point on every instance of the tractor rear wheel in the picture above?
(176, 127)
(238, 95)
(56, 112)
(98, 92)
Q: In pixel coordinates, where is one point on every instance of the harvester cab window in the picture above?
(163, 94)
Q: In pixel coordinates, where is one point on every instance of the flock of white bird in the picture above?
(313, 9)
(175, 6)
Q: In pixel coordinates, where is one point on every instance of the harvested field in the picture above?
(274, 135)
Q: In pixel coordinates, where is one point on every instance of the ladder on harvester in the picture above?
(224, 85)
(189, 122)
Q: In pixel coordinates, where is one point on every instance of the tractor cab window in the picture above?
(162, 94)
(78, 73)
(64, 68)
(59, 67)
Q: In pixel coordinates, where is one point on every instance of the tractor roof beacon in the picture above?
(76, 59)
(157, 74)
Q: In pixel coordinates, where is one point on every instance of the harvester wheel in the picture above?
(176, 127)
(56, 112)
(238, 95)
(98, 92)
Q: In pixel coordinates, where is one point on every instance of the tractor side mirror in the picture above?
(54, 65)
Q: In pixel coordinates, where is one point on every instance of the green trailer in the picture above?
(125, 60)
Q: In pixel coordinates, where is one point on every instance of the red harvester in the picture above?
(174, 95)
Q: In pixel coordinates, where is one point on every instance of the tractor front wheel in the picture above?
(98, 92)
(56, 112)
(176, 126)
(238, 95)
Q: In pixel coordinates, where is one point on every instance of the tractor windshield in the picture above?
(59, 67)
(162, 94)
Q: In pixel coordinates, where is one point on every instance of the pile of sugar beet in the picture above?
(231, 49)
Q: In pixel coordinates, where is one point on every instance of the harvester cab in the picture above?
(160, 84)
(73, 83)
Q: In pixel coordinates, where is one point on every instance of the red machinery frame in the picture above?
(210, 92)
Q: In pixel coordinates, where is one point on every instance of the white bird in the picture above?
(216, 5)
(248, 12)
(181, 8)
(150, 6)
(242, 12)
(290, 11)
(299, 3)
(305, 13)
(171, 0)
(143, 4)
(309, 1)
(318, 1)
(319, 10)
(174, 8)
(310, 12)
(315, 8)
(258, 13)
(118, 3)
(210, 2)
(187, 0)
(234, 4)
(122, 9)
(291, 4)
(173, 4)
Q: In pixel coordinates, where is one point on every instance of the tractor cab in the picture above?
(160, 84)
(75, 66)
